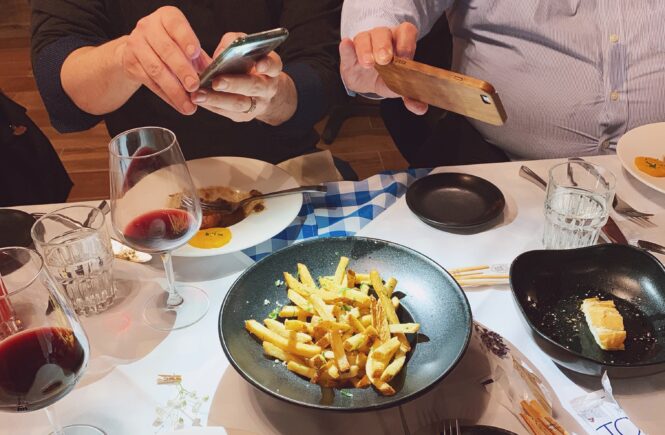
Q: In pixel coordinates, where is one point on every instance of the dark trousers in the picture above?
(438, 138)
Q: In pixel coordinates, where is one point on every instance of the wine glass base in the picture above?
(81, 429)
(194, 306)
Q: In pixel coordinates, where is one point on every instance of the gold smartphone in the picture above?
(448, 90)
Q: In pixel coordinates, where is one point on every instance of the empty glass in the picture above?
(579, 197)
(76, 247)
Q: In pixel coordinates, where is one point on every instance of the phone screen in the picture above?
(240, 55)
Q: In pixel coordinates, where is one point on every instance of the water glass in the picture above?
(577, 204)
(76, 247)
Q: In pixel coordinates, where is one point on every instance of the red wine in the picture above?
(160, 230)
(38, 367)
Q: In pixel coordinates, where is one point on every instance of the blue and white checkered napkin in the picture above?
(342, 211)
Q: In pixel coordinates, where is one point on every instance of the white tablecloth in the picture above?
(119, 391)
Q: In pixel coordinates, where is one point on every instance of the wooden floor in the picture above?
(362, 141)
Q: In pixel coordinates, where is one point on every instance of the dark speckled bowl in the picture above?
(431, 297)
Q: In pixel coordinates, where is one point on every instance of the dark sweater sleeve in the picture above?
(310, 57)
(58, 28)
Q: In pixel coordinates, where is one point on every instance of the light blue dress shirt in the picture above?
(573, 75)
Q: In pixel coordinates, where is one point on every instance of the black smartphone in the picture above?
(240, 55)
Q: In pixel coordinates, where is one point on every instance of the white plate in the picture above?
(647, 140)
(246, 174)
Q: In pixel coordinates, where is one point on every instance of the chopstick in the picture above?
(469, 276)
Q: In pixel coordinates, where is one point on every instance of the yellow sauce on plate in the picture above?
(651, 166)
(211, 238)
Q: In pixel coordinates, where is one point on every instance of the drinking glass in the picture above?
(43, 349)
(155, 208)
(76, 248)
(578, 199)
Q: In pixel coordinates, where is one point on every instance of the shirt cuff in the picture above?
(65, 115)
(312, 99)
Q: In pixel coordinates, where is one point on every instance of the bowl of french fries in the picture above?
(348, 324)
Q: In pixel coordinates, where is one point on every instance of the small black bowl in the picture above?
(431, 298)
(455, 202)
(549, 287)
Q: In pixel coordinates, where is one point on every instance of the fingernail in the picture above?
(199, 97)
(192, 51)
(188, 107)
(261, 67)
(220, 85)
(191, 83)
(384, 56)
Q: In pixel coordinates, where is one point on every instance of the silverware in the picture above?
(610, 230)
(621, 206)
(651, 246)
(229, 207)
(450, 427)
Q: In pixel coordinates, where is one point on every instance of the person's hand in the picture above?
(264, 93)
(377, 46)
(162, 53)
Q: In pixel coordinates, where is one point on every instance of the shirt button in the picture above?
(614, 96)
(614, 38)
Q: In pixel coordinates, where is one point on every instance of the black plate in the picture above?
(432, 298)
(549, 287)
(452, 201)
(15, 228)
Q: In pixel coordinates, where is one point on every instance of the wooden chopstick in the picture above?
(482, 276)
(467, 269)
(480, 283)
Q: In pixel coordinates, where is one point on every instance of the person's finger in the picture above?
(202, 62)
(254, 85)
(270, 64)
(173, 57)
(176, 25)
(363, 45)
(405, 37)
(226, 40)
(164, 78)
(134, 67)
(347, 55)
(223, 101)
(415, 106)
(382, 45)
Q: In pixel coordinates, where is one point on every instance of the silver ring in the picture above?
(252, 105)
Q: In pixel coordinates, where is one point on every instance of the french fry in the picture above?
(366, 320)
(295, 285)
(341, 268)
(334, 326)
(297, 325)
(394, 367)
(350, 278)
(305, 276)
(404, 328)
(320, 307)
(362, 278)
(390, 286)
(265, 334)
(324, 342)
(299, 301)
(379, 320)
(387, 304)
(338, 350)
(355, 342)
(352, 373)
(362, 382)
(355, 323)
(292, 311)
(275, 352)
(364, 287)
(301, 369)
(386, 350)
(279, 328)
(317, 361)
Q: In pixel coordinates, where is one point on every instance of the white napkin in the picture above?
(314, 168)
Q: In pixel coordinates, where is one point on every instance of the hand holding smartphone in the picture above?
(239, 57)
(448, 90)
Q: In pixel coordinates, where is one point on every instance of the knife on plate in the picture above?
(611, 230)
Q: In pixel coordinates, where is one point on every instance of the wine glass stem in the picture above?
(174, 298)
(53, 419)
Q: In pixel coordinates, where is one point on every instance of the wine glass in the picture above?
(43, 349)
(155, 208)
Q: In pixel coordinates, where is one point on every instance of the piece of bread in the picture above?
(605, 323)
